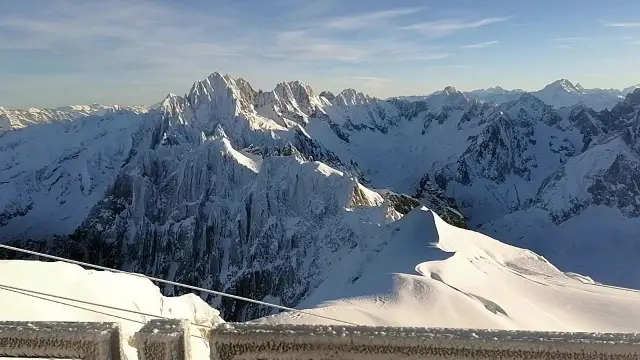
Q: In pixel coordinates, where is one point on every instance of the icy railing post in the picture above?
(252, 341)
(66, 340)
(164, 340)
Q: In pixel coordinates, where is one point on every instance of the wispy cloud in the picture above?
(623, 24)
(479, 45)
(370, 79)
(564, 46)
(446, 67)
(567, 39)
(371, 19)
(302, 45)
(124, 34)
(450, 26)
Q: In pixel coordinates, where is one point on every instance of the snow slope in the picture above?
(52, 174)
(431, 274)
(99, 287)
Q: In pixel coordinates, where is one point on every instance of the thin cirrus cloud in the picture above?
(447, 27)
(566, 39)
(369, 20)
(481, 45)
(623, 24)
(125, 35)
(370, 79)
(304, 45)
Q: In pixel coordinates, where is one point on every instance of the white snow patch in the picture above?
(100, 287)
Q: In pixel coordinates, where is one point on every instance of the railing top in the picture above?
(430, 334)
(66, 340)
(57, 326)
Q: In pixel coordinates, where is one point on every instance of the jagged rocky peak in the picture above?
(496, 89)
(292, 101)
(633, 98)
(630, 89)
(245, 88)
(328, 95)
(349, 97)
(563, 85)
(449, 90)
(529, 97)
(222, 93)
(172, 104)
(296, 93)
(529, 108)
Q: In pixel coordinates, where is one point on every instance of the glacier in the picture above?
(265, 194)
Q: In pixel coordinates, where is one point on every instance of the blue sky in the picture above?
(62, 52)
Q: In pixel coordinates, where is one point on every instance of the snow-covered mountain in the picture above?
(630, 89)
(19, 118)
(263, 193)
(496, 94)
(560, 93)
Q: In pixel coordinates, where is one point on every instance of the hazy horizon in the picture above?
(316, 90)
(120, 52)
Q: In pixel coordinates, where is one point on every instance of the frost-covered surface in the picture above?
(91, 341)
(318, 342)
(431, 274)
(105, 288)
(164, 340)
(11, 119)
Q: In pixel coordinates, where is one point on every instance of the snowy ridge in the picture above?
(11, 119)
(464, 280)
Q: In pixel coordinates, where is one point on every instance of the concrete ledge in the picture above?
(70, 340)
(164, 340)
(252, 341)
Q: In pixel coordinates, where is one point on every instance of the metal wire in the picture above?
(169, 282)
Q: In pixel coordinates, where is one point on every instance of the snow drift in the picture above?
(99, 287)
(431, 274)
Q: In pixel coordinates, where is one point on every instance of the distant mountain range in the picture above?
(20, 118)
(560, 93)
(266, 193)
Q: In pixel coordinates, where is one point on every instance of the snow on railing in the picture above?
(61, 340)
(169, 340)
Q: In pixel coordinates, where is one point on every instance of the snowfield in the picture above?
(465, 280)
